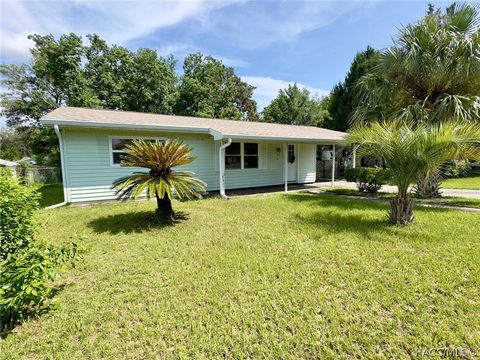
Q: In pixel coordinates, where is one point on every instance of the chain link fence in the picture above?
(39, 174)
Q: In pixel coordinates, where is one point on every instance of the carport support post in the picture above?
(333, 166)
(285, 166)
(354, 156)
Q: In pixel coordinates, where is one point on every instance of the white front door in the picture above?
(292, 163)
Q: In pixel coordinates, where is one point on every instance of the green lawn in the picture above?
(280, 276)
(472, 182)
(448, 201)
(50, 194)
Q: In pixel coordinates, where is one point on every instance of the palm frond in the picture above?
(161, 180)
(411, 151)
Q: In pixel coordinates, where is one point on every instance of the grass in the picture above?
(50, 194)
(280, 276)
(471, 181)
(448, 201)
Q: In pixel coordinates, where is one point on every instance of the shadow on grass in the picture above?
(132, 222)
(335, 214)
(7, 327)
(334, 201)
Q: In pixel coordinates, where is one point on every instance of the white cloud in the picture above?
(267, 89)
(15, 44)
(115, 21)
(259, 24)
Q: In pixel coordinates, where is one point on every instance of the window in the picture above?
(233, 156)
(118, 148)
(250, 156)
(241, 156)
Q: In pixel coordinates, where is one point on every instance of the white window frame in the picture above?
(242, 156)
(119, 137)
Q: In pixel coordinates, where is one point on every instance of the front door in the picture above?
(292, 163)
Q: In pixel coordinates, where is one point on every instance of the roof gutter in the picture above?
(62, 162)
(125, 126)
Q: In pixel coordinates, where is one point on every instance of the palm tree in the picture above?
(161, 181)
(430, 74)
(411, 151)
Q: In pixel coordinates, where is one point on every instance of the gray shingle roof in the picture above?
(73, 116)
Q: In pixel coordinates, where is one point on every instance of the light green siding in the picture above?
(89, 173)
(307, 171)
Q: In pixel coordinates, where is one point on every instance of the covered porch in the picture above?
(291, 156)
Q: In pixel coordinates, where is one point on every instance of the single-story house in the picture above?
(229, 154)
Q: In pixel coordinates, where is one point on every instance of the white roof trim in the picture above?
(214, 133)
(123, 126)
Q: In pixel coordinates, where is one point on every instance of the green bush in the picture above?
(456, 169)
(368, 180)
(17, 205)
(26, 280)
(28, 267)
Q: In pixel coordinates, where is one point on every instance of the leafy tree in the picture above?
(161, 181)
(25, 100)
(57, 65)
(210, 89)
(108, 69)
(40, 143)
(295, 106)
(12, 147)
(151, 85)
(411, 151)
(341, 101)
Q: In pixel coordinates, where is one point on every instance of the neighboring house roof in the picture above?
(72, 116)
(8, 163)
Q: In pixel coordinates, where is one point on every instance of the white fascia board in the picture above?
(283, 139)
(217, 135)
(90, 124)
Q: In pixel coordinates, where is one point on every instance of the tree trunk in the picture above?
(428, 186)
(401, 210)
(164, 211)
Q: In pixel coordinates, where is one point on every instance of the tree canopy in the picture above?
(295, 106)
(67, 71)
(341, 101)
(431, 72)
(210, 89)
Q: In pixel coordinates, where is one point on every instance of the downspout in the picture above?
(221, 167)
(62, 164)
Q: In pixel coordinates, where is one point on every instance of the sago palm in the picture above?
(411, 151)
(161, 182)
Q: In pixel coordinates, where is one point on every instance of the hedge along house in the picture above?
(229, 154)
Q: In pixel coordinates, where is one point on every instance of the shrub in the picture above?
(368, 180)
(26, 280)
(28, 267)
(17, 205)
(456, 168)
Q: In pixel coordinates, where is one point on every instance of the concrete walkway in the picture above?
(463, 193)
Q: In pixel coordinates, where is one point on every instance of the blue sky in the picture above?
(269, 43)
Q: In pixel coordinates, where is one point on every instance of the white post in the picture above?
(354, 156)
(333, 166)
(285, 170)
(221, 167)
